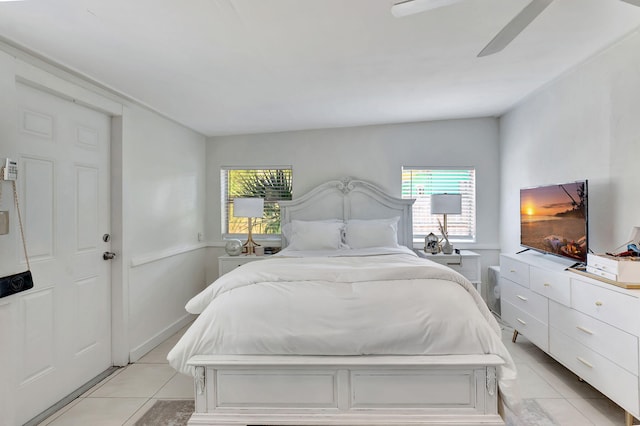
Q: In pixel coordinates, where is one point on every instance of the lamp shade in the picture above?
(446, 204)
(248, 207)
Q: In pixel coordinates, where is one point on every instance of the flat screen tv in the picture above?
(554, 219)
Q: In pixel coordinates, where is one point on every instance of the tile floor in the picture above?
(123, 397)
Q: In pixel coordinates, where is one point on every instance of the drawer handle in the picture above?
(584, 361)
(521, 322)
(513, 271)
(546, 285)
(521, 297)
(598, 303)
(585, 330)
(454, 263)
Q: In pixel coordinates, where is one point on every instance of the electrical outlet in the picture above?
(200, 236)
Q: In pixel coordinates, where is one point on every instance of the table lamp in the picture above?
(249, 208)
(445, 204)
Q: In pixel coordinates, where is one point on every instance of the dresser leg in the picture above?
(515, 336)
(628, 419)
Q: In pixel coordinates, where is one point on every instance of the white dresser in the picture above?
(589, 326)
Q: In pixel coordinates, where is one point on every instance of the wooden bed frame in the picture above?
(346, 390)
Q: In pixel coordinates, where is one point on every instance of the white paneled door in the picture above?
(64, 329)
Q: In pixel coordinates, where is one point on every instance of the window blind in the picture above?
(420, 183)
(273, 184)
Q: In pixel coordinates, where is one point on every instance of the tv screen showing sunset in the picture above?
(554, 219)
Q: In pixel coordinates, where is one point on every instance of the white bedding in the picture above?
(394, 303)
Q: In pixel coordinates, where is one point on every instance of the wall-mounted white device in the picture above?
(10, 171)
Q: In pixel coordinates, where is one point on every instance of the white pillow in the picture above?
(361, 233)
(315, 235)
(287, 228)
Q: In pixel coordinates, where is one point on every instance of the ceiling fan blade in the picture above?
(515, 27)
(411, 7)
(633, 2)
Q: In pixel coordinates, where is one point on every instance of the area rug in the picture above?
(167, 413)
(531, 414)
(177, 413)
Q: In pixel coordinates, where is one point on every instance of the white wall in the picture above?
(584, 125)
(372, 153)
(164, 200)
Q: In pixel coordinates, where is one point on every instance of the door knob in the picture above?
(108, 255)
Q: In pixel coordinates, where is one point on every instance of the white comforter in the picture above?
(380, 304)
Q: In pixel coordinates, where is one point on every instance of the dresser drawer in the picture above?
(533, 329)
(229, 263)
(466, 263)
(554, 285)
(612, 307)
(524, 299)
(227, 266)
(514, 270)
(469, 268)
(604, 274)
(610, 342)
(612, 380)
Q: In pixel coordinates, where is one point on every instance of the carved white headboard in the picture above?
(349, 199)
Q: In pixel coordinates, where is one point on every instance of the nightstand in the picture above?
(228, 263)
(467, 263)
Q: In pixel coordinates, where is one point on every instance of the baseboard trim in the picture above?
(141, 350)
(72, 396)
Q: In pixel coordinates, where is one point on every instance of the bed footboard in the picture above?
(346, 390)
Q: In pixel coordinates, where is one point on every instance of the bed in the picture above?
(346, 326)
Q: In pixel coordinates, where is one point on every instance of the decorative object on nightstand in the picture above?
(447, 247)
(249, 208)
(431, 244)
(446, 204)
(233, 247)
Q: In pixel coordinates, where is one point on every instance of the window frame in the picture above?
(226, 200)
(469, 203)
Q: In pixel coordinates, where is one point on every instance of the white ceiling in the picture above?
(248, 66)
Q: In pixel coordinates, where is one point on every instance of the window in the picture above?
(421, 182)
(273, 184)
